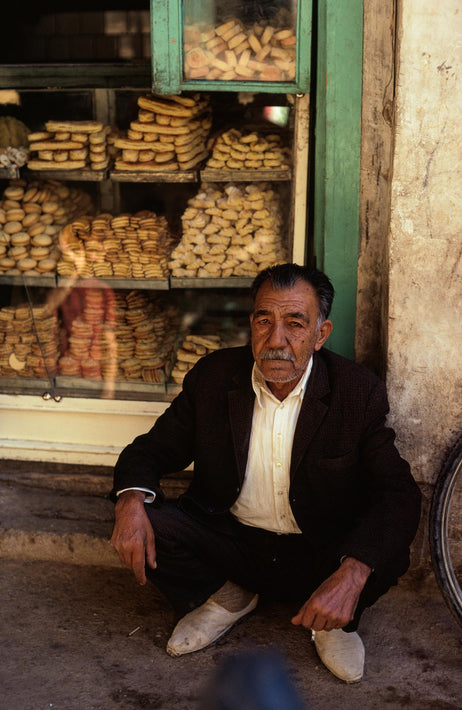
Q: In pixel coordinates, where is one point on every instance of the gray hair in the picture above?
(286, 276)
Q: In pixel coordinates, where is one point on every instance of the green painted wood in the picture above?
(166, 41)
(167, 52)
(337, 159)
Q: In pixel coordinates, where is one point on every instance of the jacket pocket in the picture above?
(338, 463)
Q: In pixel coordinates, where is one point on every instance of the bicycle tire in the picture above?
(446, 530)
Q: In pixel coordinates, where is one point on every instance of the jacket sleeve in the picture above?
(167, 447)
(390, 512)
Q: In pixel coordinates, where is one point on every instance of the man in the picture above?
(298, 491)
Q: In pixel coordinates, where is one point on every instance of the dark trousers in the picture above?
(195, 558)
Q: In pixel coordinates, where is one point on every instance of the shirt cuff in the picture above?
(150, 495)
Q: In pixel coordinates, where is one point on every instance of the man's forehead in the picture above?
(300, 297)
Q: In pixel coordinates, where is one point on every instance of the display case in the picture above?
(218, 45)
(117, 276)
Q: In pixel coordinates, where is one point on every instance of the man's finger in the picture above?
(151, 554)
(138, 565)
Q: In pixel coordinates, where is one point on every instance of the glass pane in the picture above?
(228, 40)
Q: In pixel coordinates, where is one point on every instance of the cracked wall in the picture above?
(424, 343)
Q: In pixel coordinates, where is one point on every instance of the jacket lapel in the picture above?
(312, 412)
(240, 404)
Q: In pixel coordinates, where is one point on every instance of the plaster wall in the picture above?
(424, 343)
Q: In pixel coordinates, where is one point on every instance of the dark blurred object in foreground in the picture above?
(252, 681)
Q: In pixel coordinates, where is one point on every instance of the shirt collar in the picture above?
(260, 387)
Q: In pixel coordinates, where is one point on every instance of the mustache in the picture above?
(276, 355)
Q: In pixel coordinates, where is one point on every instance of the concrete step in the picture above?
(60, 513)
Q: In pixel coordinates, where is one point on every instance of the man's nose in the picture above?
(277, 336)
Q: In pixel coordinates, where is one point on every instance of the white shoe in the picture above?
(203, 626)
(343, 654)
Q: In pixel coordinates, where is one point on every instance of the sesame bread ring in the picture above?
(46, 265)
(30, 219)
(30, 194)
(15, 215)
(20, 239)
(26, 264)
(39, 253)
(13, 193)
(42, 240)
(7, 263)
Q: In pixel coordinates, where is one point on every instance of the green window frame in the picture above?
(337, 159)
(167, 55)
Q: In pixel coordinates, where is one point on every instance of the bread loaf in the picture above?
(234, 51)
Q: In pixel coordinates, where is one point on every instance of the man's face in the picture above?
(285, 333)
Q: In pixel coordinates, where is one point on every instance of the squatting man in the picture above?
(298, 491)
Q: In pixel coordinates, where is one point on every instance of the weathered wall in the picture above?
(375, 187)
(424, 344)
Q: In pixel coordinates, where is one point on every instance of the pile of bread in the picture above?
(170, 133)
(29, 341)
(122, 246)
(70, 145)
(146, 327)
(231, 51)
(234, 150)
(117, 336)
(192, 348)
(230, 230)
(31, 218)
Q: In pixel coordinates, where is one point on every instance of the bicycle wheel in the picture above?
(446, 531)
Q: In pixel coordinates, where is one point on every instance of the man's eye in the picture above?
(295, 324)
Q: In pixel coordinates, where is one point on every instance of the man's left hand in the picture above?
(333, 604)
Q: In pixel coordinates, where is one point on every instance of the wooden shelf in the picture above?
(48, 281)
(50, 77)
(151, 176)
(79, 384)
(142, 284)
(205, 282)
(269, 175)
(57, 174)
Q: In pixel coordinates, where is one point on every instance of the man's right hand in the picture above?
(133, 536)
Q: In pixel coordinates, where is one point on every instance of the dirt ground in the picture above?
(78, 633)
(88, 638)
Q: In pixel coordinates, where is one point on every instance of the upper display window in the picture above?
(231, 45)
(257, 43)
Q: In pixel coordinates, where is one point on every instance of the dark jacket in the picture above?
(349, 486)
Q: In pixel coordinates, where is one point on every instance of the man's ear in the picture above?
(324, 331)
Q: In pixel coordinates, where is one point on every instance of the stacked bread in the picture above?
(234, 150)
(119, 337)
(192, 348)
(169, 134)
(231, 51)
(123, 246)
(69, 145)
(90, 349)
(31, 218)
(234, 230)
(146, 328)
(29, 341)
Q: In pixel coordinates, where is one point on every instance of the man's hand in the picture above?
(333, 604)
(133, 536)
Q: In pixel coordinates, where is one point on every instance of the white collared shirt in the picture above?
(264, 499)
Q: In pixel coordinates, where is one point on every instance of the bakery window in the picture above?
(219, 45)
(129, 237)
